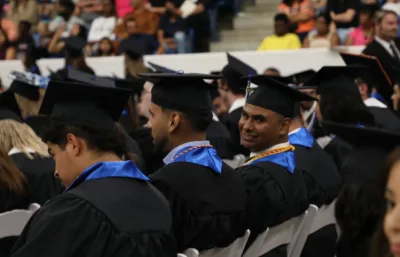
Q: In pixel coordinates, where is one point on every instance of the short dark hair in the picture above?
(381, 14)
(272, 69)
(326, 16)
(96, 140)
(281, 17)
(198, 123)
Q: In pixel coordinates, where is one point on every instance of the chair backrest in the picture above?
(282, 234)
(33, 207)
(192, 252)
(233, 250)
(295, 247)
(237, 160)
(13, 222)
(325, 216)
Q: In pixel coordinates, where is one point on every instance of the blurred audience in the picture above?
(103, 26)
(7, 50)
(23, 10)
(66, 15)
(343, 15)
(300, 14)
(392, 5)
(105, 48)
(282, 39)
(323, 36)
(172, 33)
(271, 71)
(364, 33)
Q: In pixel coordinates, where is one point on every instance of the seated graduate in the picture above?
(74, 58)
(276, 188)
(207, 197)
(360, 206)
(322, 180)
(109, 207)
(27, 150)
(14, 194)
(232, 90)
(29, 92)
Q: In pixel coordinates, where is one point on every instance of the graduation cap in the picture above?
(74, 46)
(302, 76)
(161, 69)
(275, 96)
(187, 93)
(358, 135)
(9, 107)
(133, 47)
(377, 77)
(27, 85)
(234, 71)
(75, 104)
(83, 77)
(337, 79)
(134, 84)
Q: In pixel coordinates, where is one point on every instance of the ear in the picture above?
(284, 126)
(173, 122)
(74, 145)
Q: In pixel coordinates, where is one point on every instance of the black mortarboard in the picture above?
(27, 85)
(378, 75)
(133, 47)
(86, 78)
(337, 79)
(134, 84)
(9, 107)
(75, 104)
(74, 46)
(234, 71)
(187, 93)
(359, 135)
(240, 67)
(275, 96)
(161, 69)
(302, 76)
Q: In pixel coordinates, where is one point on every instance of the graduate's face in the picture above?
(392, 215)
(261, 128)
(159, 123)
(66, 168)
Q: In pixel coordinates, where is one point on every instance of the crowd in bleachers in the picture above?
(326, 23)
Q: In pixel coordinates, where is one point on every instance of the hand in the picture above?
(61, 28)
(333, 15)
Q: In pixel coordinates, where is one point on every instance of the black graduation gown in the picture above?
(338, 149)
(219, 137)
(274, 196)
(386, 118)
(129, 218)
(232, 123)
(39, 173)
(323, 185)
(10, 201)
(208, 208)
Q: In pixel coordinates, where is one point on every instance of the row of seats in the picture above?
(292, 233)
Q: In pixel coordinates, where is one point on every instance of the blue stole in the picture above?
(124, 112)
(285, 159)
(302, 137)
(123, 169)
(206, 157)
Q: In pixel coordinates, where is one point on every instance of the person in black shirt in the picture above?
(172, 32)
(344, 15)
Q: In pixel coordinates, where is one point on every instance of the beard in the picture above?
(160, 145)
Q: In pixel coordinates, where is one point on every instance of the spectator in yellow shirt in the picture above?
(282, 39)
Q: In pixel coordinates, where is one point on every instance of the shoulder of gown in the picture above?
(208, 208)
(69, 225)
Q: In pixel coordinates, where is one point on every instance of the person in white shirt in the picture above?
(104, 26)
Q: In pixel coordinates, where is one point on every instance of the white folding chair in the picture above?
(233, 250)
(192, 252)
(181, 255)
(282, 234)
(324, 217)
(237, 160)
(295, 247)
(13, 222)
